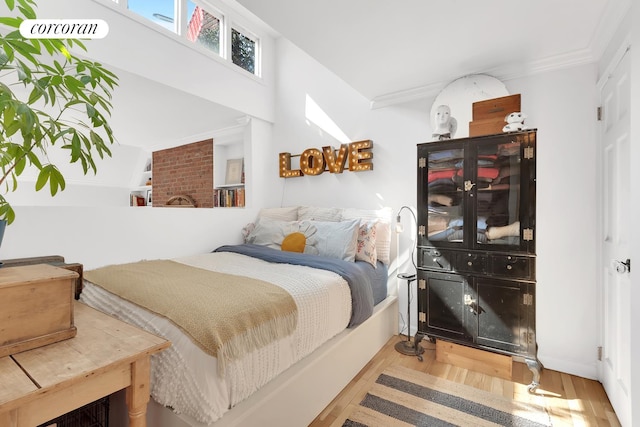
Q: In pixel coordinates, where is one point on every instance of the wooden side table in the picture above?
(105, 356)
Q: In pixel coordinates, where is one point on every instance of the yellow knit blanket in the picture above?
(226, 315)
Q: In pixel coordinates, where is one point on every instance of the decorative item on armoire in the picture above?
(515, 122)
(446, 125)
(460, 95)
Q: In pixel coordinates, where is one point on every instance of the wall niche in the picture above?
(186, 170)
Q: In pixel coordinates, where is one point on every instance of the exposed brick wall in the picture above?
(184, 170)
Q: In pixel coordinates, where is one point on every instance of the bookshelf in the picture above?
(140, 195)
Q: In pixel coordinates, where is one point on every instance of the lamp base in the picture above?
(409, 348)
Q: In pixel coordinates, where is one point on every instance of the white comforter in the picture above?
(186, 378)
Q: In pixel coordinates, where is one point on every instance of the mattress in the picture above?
(186, 379)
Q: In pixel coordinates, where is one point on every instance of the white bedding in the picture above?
(186, 378)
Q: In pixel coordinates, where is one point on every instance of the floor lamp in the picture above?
(408, 347)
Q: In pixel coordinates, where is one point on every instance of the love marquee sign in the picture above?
(315, 162)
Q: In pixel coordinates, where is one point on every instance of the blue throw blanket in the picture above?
(357, 274)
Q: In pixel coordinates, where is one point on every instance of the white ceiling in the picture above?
(401, 49)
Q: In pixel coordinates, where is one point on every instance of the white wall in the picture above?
(560, 104)
(107, 235)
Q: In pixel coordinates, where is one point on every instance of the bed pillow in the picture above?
(294, 242)
(271, 232)
(246, 231)
(336, 239)
(319, 214)
(289, 213)
(383, 228)
(366, 246)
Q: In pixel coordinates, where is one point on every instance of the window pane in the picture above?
(243, 51)
(203, 28)
(162, 12)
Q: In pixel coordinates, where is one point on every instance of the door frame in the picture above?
(623, 49)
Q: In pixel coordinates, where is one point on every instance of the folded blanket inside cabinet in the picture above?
(226, 315)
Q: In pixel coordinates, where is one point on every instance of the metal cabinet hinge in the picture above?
(421, 230)
(528, 152)
(599, 114)
(600, 353)
(422, 162)
(528, 337)
(422, 317)
(527, 234)
(422, 284)
(527, 299)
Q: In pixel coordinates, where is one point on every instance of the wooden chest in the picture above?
(36, 307)
(488, 116)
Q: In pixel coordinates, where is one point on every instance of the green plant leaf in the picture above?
(6, 211)
(43, 177)
(36, 94)
(27, 11)
(11, 22)
(20, 165)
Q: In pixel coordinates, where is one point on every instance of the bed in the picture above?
(335, 272)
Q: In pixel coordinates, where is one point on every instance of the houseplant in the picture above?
(48, 97)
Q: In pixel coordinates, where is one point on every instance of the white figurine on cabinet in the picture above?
(446, 125)
(515, 121)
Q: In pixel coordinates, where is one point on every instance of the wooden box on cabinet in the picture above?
(36, 307)
(489, 115)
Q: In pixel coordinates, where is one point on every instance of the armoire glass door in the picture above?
(496, 192)
(443, 196)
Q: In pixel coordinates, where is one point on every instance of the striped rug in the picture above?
(404, 397)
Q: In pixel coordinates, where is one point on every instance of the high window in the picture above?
(202, 25)
(161, 12)
(243, 50)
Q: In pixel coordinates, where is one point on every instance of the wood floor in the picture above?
(571, 400)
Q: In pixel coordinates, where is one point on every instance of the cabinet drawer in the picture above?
(512, 266)
(434, 258)
(471, 262)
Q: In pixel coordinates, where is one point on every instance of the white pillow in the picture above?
(366, 247)
(336, 239)
(270, 232)
(319, 214)
(383, 228)
(289, 213)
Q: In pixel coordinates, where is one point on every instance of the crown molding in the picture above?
(508, 72)
(408, 95)
(611, 20)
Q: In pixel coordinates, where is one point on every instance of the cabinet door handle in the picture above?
(471, 303)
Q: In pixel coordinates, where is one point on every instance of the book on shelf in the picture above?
(229, 197)
(137, 200)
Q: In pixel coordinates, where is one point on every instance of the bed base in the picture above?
(299, 394)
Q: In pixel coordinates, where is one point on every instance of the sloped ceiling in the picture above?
(400, 49)
(154, 116)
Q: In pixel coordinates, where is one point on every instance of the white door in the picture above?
(616, 274)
